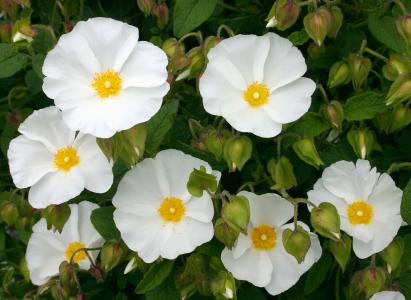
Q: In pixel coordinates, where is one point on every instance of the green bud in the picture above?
(56, 216)
(200, 181)
(392, 254)
(372, 280)
(67, 275)
(178, 62)
(210, 42)
(145, 6)
(297, 243)
(24, 270)
(360, 67)
(160, 11)
(223, 286)
(326, 220)
(111, 255)
(400, 90)
(283, 14)
(5, 32)
(215, 143)
(282, 173)
(315, 51)
(172, 47)
(339, 74)
(333, 112)
(306, 151)
(236, 213)
(362, 141)
(107, 146)
(197, 62)
(14, 118)
(396, 65)
(224, 233)
(97, 273)
(9, 213)
(403, 24)
(317, 24)
(395, 119)
(237, 151)
(336, 21)
(341, 250)
(130, 144)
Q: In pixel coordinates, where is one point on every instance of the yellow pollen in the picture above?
(107, 83)
(66, 158)
(172, 209)
(264, 237)
(360, 212)
(256, 94)
(73, 247)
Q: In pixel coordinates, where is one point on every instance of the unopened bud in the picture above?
(9, 213)
(360, 67)
(341, 250)
(197, 62)
(237, 151)
(200, 181)
(372, 280)
(400, 90)
(225, 234)
(24, 270)
(326, 220)
(215, 143)
(179, 62)
(56, 216)
(14, 118)
(339, 74)
(161, 12)
(145, 6)
(223, 286)
(111, 255)
(333, 112)
(317, 24)
(335, 21)
(130, 144)
(97, 273)
(282, 173)
(297, 242)
(171, 47)
(236, 213)
(403, 24)
(306, 151)
(283, 14)
(396, 65)
(210, 43)
(392, 254)
(5, 32)
(67, 275)
(362, 141)
(315, 51)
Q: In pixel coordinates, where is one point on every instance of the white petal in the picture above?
(284, 63)
(56, 188)
(96, 169)
(385, 198)
(363, 233)
(289, 102)
(145, 67)
(320, 194)
(388, 295)
(242, 244)
(47, 127)
(268, 209)
(253, 266)
(87, 233)
(28, 161)
(200, 209)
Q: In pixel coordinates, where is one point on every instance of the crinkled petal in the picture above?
(388, 295)
(200, 209)
(385, 198)
(320, 194)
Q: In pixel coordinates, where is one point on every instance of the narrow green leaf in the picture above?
(311, 124)
(317, 274)
(157, 273)
(102, 219)
(406, 203)
(364, 106)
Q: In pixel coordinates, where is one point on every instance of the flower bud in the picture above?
(283, 14)
(236, 213)
(306, 151)
(341, 250)
(56, 216)
(5, 32)
(14, 118)
(178, 62)
(392, 254)
(135, 263)
(395, 119)
(111, 254)
(403, 24)
(362, 141)
(215, 143)
(396, 65)
(9, 213)
(171, 47)
(333, 112)
(24, 32)
(315, 51)
(161, 12)
(339, 74)
(400, 90)
(326, 220)
(237, 151)
(317, 24)
(200, 181)
(196, 65)
(67, 275)
(360, 67)
(282, 173)
(372, 280)
(24, 270)
(335, 21)
(97, 273)
(130, 144)
(210, 42)
(223, 286)
(9, 7)
(146, 6)
(297, 243)
(224, 233)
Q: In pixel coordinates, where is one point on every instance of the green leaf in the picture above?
(166, 291)
(383, 29)
(43, 42)
(299, 38)
(311, 124)
(37, 62)
(406, 203)
(364, 106)
(102, 219)
(157, 273)
(317, 274)
(160, 124)
(189, 14)
(405, 283)
(10, 61)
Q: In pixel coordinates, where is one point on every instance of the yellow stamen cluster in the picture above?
(65, 158)
(256, 94)
(264, 237)
(360, 212)
(73, 247)
(172, 209)
(107, 83)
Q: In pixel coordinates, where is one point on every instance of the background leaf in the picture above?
(157, 273)
(364, 106)
(406, 203)
(102, 219)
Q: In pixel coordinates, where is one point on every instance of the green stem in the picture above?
(227, 29)
(323, 93)
(376, 54)
(227, 6)
(295, 215)
(198, 35)
(395, 167)
(279, 140)
(402, 6)
(85, 250)
(337, 284)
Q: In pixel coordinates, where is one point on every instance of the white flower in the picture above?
(255, 83)
(156, 214)
(55, 163)
(47, 249)
(368, 203)
(103, 79)
(259, 257)
(388, 295)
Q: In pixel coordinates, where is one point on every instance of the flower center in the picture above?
(172, 209)
(73, 247)
(256, 94)
(359, 212)
(263, 237)
(66, 158)
(107, 83)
